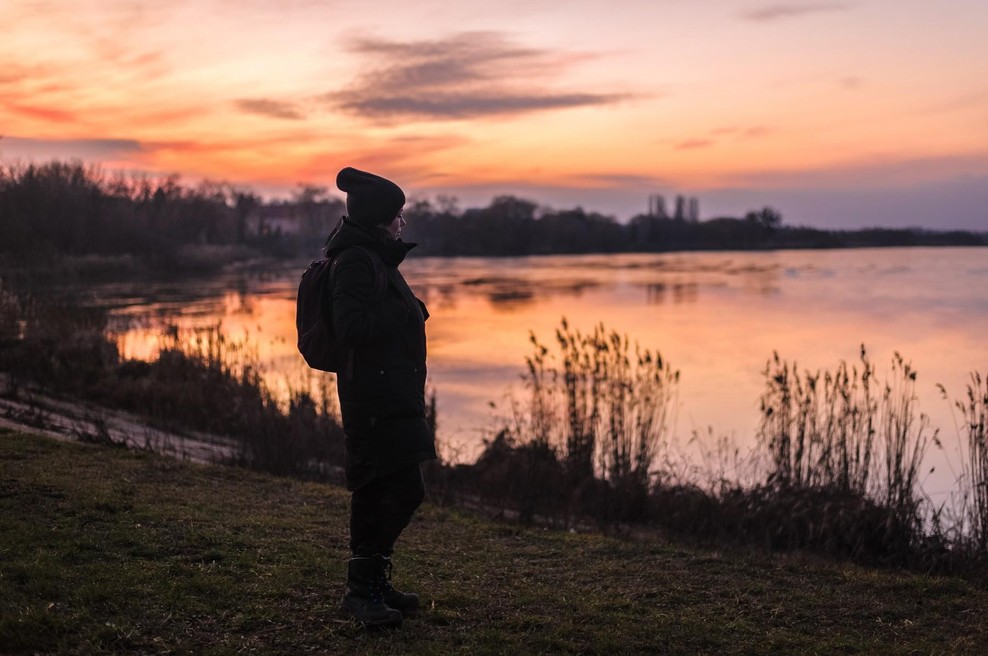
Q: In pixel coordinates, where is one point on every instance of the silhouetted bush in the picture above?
(842, 452)
(830, 434)
(198, 381)
(583, 446)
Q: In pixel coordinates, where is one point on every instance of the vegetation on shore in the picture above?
(515, 226)
(198, 381)
(113, 551)
(78, 220)
(834, 472)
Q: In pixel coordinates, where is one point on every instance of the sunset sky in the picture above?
(839, 114)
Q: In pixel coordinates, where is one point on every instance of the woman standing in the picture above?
(382, 389)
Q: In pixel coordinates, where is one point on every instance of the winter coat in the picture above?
(382, 387)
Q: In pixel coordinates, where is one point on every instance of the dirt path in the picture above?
(35, 412)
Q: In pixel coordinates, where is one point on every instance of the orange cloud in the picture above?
(401, 157)
(691, 144)
(43, 113)
(90, 149)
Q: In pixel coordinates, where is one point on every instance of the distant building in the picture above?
(680, 214)
(686, 209)
(657, 206)
(274, 220)
(305, 219)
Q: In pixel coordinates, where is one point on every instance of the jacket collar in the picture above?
(350, 233)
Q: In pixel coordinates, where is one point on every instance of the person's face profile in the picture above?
(394, 228)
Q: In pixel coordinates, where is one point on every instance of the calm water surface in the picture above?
(717, 317)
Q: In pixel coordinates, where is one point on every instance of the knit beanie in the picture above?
(370, 199)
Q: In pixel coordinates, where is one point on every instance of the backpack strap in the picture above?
(380, 287)
(380, 273)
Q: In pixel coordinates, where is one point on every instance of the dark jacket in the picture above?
(382, 388)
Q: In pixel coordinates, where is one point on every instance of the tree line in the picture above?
(69, 209)
(513, 226)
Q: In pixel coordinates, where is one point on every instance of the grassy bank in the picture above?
(110, 551)
(835, 469)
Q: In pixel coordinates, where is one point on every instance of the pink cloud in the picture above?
(43, 113)
(691, 144)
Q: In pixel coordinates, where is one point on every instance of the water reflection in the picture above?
(679, 292)
(507, 293)
(672, 278)
(717, 317)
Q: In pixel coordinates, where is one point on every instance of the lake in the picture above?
(716, 317)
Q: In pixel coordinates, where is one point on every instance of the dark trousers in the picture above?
(380, 511)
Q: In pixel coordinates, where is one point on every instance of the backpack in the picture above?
(314, 311)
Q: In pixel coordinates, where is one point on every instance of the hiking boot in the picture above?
(364, 598)
(406, 602)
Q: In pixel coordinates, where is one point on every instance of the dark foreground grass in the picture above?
(104, 550)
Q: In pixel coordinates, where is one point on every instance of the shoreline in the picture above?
(80, 421)
(99, 268)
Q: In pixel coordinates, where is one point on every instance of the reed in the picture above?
(199, 380)
(974, 412)
(596, 419)
(848, 455)
(618, 399)
(820, 428)
(906, 436)
(590, 443)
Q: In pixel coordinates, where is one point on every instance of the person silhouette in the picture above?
(381, 324)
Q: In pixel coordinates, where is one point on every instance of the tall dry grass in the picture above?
(216, 384)
(586, 442)
(850, 448)
(841, 452)
(820, 428)
(604, 402)
(199, 380)
(974, 478)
